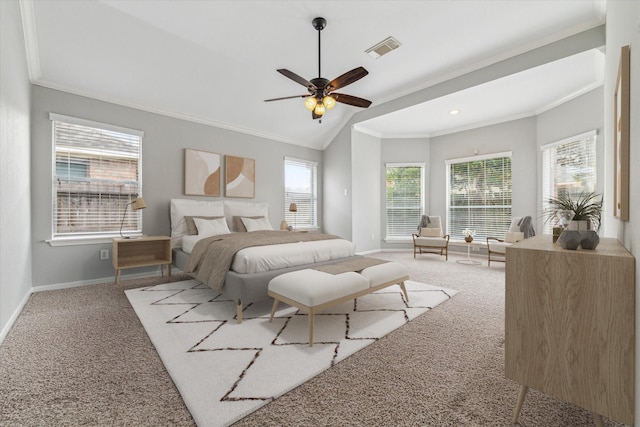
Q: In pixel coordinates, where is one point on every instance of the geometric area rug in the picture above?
(225, 371)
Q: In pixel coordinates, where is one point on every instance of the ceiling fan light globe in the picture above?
(320, 109)
(329, 102)
(310, 103)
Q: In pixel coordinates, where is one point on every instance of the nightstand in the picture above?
(141, 252)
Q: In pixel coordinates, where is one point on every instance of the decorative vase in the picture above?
(468, 239)
(569, 239)
(579, 225)
(589, 239)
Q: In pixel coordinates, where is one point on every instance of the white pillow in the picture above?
(429, 232)
(513, 236)
(257, 224)
(211, 227)
(236, 208)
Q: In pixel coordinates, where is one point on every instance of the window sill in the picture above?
(85, 240)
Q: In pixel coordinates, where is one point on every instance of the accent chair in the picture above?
(430, 239)
(497, 248)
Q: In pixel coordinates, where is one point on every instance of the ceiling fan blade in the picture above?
(296, 78)
(287, 97)
(351, 100)
(347, 78)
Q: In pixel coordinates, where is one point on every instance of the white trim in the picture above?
(303, 161)
(86, 240)
(30, 39)
(404, 165)
(14, 316)
(585, 135)
(478, 157)
(99, 281)
(91, 123)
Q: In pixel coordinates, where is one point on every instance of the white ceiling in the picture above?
(215, 62)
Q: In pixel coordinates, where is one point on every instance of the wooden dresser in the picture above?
(570, 325)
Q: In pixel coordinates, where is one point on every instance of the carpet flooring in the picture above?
(81, 357)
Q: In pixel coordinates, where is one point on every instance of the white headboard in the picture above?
(227, 208)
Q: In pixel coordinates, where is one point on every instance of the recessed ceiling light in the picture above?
(454, 112)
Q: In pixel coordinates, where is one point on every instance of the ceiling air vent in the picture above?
(384, 47)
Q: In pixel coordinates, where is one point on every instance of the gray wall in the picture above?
(622, 29)
(15, 208)
(583, 114)
(163, 147)
(518, 136)
(337, 156)
(408, 150)
(365, 185)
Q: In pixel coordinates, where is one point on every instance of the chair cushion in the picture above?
(430, 232)
(436, 242)
(499, 247)
(515, 224)
(513, 236)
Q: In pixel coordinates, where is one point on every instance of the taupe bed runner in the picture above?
(211, 257)
(357, 264)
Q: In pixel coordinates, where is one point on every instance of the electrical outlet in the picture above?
(104, 254)
(475, 248)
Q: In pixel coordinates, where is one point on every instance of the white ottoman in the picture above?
(312, 290)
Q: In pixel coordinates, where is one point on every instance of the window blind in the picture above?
(404, 199)
(479, 196)
(300, 187)
(96, 173)
(568, 169)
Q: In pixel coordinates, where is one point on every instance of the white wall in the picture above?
(623, 18)
(365, 184)
(15, 195)
(165, 139)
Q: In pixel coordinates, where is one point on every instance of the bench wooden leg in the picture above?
(311, 316)
(273, 309)
(404, 291)
(239, 311)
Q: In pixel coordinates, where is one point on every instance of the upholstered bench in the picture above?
(312, 290)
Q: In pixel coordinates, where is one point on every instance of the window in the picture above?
(479, 195)
(568, 169)
(300, 187)
(404, 199)
(96, 173)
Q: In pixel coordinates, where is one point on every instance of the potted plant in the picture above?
(468, 235)
(585, 207)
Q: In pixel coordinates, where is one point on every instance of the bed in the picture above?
(264, 253)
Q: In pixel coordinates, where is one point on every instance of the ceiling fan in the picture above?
(321, 96)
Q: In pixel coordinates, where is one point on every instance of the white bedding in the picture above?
(272, 257)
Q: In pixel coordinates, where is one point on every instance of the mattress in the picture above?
(258, 259)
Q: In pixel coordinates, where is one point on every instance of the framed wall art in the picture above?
(621, 137)
(240, 177)
(202, 173)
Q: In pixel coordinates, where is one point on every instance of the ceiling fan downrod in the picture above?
(319, 24)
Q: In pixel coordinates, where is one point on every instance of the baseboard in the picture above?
(99, 281)
(14, 317)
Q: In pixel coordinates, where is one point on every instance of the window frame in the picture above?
(501, 226)
(548, 184)
(406, 236)
(59, 238)
(293, 219)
